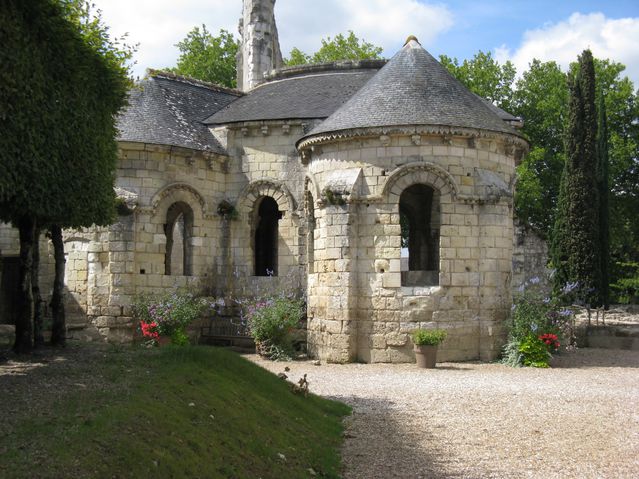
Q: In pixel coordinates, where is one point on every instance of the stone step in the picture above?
(613, 336)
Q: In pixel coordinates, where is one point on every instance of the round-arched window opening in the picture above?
(420, 223)
(178, 258)
(266, 237)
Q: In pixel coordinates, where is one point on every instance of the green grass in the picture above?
(178, 412)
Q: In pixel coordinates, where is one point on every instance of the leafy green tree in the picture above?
(575, 244)
(207, 57)
(338, 48)
(484, 76)
(603, 189)
(57, 150)
(541, 99)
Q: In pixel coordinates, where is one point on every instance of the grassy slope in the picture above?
(179, 412)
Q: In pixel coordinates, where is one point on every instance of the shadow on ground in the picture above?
(378, 445)
(597, 358)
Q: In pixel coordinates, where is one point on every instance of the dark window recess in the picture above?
(266, 236)
(419, 221)
(178, 259)
(9, 288)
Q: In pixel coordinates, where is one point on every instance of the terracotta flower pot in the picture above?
(425, 355)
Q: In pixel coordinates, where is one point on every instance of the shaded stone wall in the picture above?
(530, 256)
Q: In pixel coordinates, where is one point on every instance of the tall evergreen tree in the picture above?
(575, 248)
(603, 188)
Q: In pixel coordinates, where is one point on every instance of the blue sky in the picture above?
(511, 30)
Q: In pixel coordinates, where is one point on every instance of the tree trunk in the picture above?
(58, 328)
(38, 311)
(24, 318)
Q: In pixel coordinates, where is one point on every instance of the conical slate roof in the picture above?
(412, 89)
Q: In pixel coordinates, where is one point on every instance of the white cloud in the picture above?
(616, 39)
(385, 23)
(157, 25)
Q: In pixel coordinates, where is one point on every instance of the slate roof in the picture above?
(413, 89)
(167, 109)
(314, 92)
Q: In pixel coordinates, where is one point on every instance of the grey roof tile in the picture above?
(168, 110)
(413, 89)
(314, 93)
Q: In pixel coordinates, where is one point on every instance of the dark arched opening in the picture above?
(419, 220)
(178, 259)
(266, 237)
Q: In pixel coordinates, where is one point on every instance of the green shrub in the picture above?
(536, 322)
(428, 337)
(625, 289)
(271, 321)
(534, 352)
(167, 314)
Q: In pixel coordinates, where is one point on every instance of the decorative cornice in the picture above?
(409, 130)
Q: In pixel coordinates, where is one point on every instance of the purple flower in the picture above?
(534, 280)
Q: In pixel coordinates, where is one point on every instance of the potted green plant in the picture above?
(425, 346)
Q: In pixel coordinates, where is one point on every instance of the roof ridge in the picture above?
(324, 67)
(192, 81)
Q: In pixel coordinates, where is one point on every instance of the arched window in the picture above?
(178, 259)
(420, 223)
(266, 237)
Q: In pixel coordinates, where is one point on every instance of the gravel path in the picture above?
(579, 419)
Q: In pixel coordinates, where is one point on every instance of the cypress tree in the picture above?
(575, 247)
(603, 188)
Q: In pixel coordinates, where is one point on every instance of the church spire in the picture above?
(260, 47)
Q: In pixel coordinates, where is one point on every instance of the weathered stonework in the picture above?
(260, 47)
(269, 190)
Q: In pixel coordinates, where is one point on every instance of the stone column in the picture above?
(495, 266)
(332, 325)
(260, 46)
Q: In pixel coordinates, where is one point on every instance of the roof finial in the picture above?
(411, 37)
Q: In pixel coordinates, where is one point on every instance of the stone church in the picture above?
(382, 189)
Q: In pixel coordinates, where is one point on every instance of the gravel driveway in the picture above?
(579, 419)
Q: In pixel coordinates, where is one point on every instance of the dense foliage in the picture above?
(59, 93)
(271, 321)
(484, 76)
(207, 57)
(575, 250)
(540, 97)
(428, 337)
(538, 325)
(167, 314)
(340, 47)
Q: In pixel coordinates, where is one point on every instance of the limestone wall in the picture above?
(358, 307)
(530, 256)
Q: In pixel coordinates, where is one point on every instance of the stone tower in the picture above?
(260, 46)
